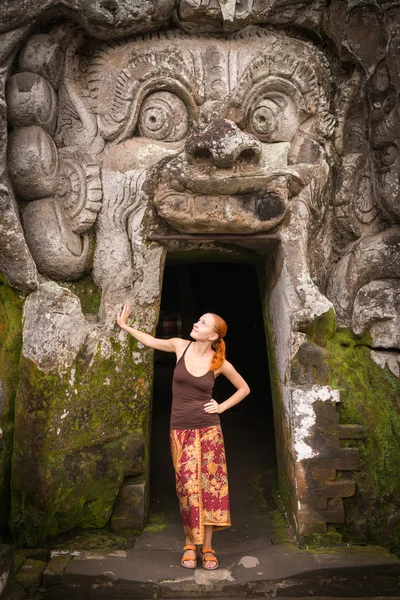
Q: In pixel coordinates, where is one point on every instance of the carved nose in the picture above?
(223, 145)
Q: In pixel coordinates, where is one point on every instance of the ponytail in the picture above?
(219, 356)
(219, 345)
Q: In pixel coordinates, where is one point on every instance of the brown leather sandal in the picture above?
(212, 559)
(186, 558)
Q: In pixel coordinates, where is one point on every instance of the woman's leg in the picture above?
(208, 532)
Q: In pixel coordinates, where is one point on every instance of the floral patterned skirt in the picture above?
(201, 479)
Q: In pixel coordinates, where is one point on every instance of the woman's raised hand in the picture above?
(123, 315)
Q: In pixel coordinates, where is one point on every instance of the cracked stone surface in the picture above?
(120, 119)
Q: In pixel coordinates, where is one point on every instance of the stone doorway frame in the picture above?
(308, 435)
(260, 254)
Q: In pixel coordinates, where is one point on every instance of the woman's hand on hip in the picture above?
(212, 407)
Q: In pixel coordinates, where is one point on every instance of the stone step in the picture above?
(275, 571)
(16, 592)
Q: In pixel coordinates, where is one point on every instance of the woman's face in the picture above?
(204, 329)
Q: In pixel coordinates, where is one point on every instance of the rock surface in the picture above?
(237, 120)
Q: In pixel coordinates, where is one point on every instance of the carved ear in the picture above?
(85, 133)
(345, 99)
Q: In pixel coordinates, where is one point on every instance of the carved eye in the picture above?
(163, 116)
(274, 118)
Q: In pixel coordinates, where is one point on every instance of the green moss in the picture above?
(30, 575)
(87, 292)
(369, 397)
(331, 539)
(322, 328)
(78, 432)
(19, 559)
(156, 523)
(11, 303)
(375, 554)
(100, 540)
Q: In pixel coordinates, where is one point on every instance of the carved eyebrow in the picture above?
(140, 72)
(289, 70)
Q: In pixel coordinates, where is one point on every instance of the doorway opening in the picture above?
(232, 291)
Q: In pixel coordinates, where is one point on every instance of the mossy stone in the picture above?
(11, 303)
(78, 433)
(369, 396)
(30, 575)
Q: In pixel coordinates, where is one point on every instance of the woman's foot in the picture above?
(210, 561)
(189, 558)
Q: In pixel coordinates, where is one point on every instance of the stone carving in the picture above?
(65, 332)
(113, 18)
(366, 299)
(250, 132)
(232, 150)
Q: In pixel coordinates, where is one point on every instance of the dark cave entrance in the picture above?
(231, 290)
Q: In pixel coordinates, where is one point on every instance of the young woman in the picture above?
(197, 444)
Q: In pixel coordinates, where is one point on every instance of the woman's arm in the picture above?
(170, 345)
(242, 390)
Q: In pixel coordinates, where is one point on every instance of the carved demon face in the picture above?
(225, 133)
(234, 123)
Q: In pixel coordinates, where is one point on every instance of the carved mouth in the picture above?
(244, 198)
(182, 176)
(229, 183)
(240, 213)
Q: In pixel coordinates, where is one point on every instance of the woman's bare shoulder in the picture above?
(225, 368)
(179, 344)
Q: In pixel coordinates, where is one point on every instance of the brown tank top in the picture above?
(189, 394)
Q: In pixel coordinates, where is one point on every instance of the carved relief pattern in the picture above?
(210, 128)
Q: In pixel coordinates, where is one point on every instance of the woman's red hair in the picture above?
(219, 345)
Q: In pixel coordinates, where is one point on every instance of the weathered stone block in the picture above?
(336, 489)
(310, 365)
(348, 459)
(16, 592)
(335, 511)
(129, 508)
(319, 503)
(324, 442)
(6, 567)
(321, 469)
(326, 414)
(30, 576)
(54, 572)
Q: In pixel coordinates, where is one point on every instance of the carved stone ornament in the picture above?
(129, 129)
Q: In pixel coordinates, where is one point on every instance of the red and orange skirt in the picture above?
(201, 479)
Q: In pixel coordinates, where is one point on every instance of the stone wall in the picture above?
(130, 129)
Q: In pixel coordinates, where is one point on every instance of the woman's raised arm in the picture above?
(170, 345)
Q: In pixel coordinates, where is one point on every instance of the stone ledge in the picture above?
(277, 571)
(16, 592)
